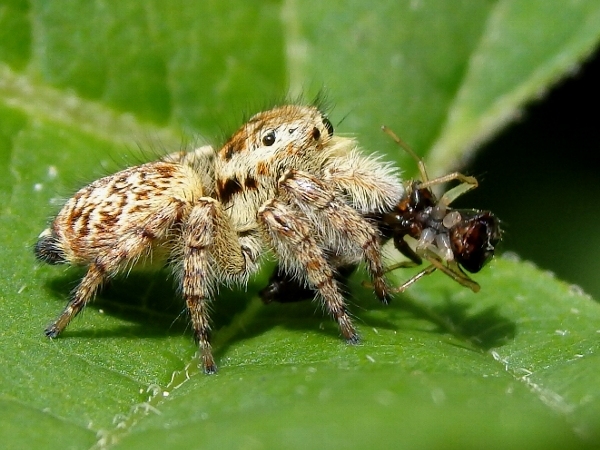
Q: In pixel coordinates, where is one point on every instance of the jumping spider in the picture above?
(449, 239)
(283, 183)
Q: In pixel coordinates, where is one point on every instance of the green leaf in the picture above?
(84, 84)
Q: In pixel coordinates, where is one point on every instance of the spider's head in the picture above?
(286, 137)
(289, 129)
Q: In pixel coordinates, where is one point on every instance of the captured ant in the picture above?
(449, 239)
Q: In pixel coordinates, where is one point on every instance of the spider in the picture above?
(449, 239)
(283, 184)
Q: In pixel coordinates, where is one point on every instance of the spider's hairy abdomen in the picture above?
(114, 207)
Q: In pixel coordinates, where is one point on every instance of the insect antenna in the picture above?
(410, 151)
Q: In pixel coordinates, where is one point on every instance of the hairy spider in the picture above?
(449, 239)
(283, 183)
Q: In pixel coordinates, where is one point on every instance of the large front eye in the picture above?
(269, 138)
(328, 125)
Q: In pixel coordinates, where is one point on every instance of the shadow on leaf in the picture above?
(148, 299)
(151, 303)
(484, 330)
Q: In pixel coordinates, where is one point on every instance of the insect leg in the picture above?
(467, 184)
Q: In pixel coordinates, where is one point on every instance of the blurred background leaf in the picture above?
(89, 87)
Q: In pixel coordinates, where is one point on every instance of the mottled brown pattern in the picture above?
(164, 171)
(262, 168)
(250, 183)
(228, 188)
(227, 151)
(316, 134)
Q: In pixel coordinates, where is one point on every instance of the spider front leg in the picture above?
(342, 227)
(299, 253)
(210, 250)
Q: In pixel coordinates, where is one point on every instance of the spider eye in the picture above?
(328, 125)
(269, 138)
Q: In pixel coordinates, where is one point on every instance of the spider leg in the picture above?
(84, 292)
(298, 251)
(341, 223)
(210, 252)
(282, 288)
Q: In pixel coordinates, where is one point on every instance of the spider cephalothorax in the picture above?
(282, 184)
